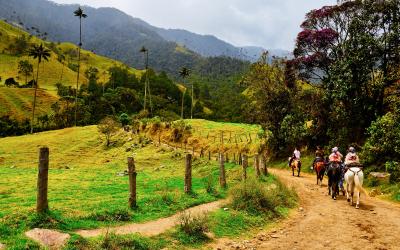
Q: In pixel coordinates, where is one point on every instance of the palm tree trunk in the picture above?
(34, 98)
(62, 72)
(191, 107)
(183, 98)
(146, 80)
(79, 65)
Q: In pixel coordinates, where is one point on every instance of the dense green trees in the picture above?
(25, 68)
(351, 52)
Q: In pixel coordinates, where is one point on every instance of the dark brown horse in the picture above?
(334, 174)
(319, 167)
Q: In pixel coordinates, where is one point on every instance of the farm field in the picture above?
(84, 188)
(17, 103)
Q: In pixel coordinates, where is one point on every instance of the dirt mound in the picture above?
(48, 238)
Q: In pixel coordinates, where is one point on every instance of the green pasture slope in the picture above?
(84, 188)
(50, 72)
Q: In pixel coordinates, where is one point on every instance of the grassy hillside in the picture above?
(18, 102)
(50, 72)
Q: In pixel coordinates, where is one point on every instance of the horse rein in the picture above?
(355, 173)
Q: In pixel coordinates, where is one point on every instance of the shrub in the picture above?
(383, 143)
(256, 198)
(394, 169)
(112, 241)
(116, 215)
(108, 126)
(192, 229)
(210, 185)
(124, 119)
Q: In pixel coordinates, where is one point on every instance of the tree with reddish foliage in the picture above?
(351, 51)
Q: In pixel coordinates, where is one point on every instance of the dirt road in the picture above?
(322, 223)
(152, 228)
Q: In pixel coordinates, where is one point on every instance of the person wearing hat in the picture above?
(336, 156)
(351, 158)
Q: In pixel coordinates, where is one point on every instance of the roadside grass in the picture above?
(233, 222)
(112, 241)
(84, 189)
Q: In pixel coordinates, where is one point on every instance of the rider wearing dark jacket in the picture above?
(319, 156)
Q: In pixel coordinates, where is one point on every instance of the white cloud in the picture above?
(267, 23)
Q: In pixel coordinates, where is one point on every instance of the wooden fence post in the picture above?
(245, 164)
(188, 174)
(42, 204)
(132, 182)
(222, 179)
(227, 157)
(264, 165)
(209, 155)
(240, 159)
(257, 165)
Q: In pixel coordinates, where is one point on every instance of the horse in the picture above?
(319, 168)
(333, 179)
(354, 180)
(296, 164)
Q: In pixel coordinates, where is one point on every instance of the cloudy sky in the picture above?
(271, 24)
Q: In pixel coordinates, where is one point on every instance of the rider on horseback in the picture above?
(352, 158)
(336, 156)
(295, 156)
(319, 156)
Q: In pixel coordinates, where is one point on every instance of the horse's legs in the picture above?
(347, 192)
(298, 170)
(351, 199)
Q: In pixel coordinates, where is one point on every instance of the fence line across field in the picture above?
(42, 203)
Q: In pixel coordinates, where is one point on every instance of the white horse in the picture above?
(354, 180)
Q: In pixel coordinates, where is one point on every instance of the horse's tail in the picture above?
(358, 184)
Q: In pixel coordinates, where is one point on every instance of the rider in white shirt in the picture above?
(296, 156)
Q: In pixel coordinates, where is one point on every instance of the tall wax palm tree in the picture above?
(61, 59)
(80, 14)
(38, 52)
(145, 52)
(184, 73)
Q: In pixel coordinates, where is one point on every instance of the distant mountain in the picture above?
(208, 45)
(112, 33)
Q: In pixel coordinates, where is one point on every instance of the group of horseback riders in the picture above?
(334, 160)
(337, 170)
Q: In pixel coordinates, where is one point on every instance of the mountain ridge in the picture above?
(113, 33)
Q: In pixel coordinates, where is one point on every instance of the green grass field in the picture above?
(84, 189)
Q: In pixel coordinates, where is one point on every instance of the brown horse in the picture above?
(295, 164)
(319, 168)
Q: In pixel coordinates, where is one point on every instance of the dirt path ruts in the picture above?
(322, 223)
(152, 228)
